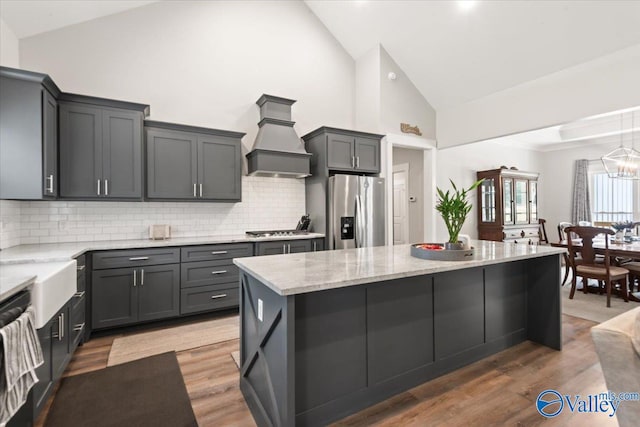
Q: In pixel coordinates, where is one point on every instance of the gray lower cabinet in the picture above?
(100, 152)
(283, 247)
(28, 135)
(207, 298)
(123, 296)
(190, 163)
(57, 349)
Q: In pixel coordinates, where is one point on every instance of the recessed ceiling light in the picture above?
(466, 5)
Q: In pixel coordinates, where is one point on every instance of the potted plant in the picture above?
(454, 208)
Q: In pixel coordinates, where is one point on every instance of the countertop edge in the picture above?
(455, 265)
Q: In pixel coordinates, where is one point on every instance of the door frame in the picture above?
(401, 167)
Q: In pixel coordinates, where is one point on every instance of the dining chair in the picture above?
(586, 266)
(542, 232)
(634, 273)
(567, 264)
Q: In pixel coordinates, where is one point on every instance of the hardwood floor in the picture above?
(498, 390)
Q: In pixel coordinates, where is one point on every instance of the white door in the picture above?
(400, 204)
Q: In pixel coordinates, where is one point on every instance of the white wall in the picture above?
(367, 94)
(401, 102)
(460, 164)
(205, 63)
(606, 84)
(9, 47)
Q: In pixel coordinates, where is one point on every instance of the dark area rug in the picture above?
(145, 392)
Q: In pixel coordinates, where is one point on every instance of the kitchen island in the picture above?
(324, 335)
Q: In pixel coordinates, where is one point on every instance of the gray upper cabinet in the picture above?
(100, 148)
(192, 163)
(343, 150)
(28, 135)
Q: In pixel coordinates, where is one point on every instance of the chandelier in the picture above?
(623, 162)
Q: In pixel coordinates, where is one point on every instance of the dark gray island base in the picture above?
(315, 357)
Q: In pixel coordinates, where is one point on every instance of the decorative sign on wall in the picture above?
(407, 128)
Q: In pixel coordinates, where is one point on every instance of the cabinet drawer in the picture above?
(77, 325)
(207, 273)
(135, 258)
(216, 252)
(205, 298)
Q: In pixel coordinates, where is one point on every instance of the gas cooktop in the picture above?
(276, 233)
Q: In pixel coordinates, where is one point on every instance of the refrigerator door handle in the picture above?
(358, 224)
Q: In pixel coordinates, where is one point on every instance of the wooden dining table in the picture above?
(624, 250)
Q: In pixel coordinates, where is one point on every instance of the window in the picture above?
(612, 200)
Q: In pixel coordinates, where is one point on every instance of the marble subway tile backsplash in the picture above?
(267, 203)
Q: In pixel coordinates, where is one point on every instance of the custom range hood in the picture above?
(277, 151)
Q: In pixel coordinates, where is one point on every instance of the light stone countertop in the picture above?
(56, 252)
(11, 285)
(316, 271)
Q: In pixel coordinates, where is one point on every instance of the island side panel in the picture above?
(267, 353)
(544, 308)
(506, 302)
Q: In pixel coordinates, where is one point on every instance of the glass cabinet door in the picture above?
(507, 200)
(521, 201)
(488, 200)
(533, 202)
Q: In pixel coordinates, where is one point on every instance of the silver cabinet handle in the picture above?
(284, 248)
(106, 187)
(219, 272)
(314, 246)
(139, 258)
(194, 190)
(218, 252)
(98, 187)
(62, 327)
(353, 161)
(81, 267)
(289, 248)
(142, 277)
(357, 161)
(218, 296)
(50, 184)
(200, 190)
(78, 327)
(134, 279)
(79, 294)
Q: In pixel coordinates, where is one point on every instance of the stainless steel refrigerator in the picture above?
(356, 212)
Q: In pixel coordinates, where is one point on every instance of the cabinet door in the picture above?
(507, 201)
(122, 154)
(43, 372)
(114, 300)
(158, 292)
(367, 153)
(171, 165)
(60, 343)
(340, 151)
(487, 192)
(80, 151)
(298, 246)
(521, 201)
(50, 144)
(533, 202)
(271, 248)
(317, 245)
(219, 168)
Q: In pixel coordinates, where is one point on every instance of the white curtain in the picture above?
(581, 206)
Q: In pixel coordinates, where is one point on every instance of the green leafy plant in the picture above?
(454, 208)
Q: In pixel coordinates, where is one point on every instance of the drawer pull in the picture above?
(78, 327)
(79, 294)
(81, 267)
(218, 296)
(219, 272)
(219, 252)
(139, 258)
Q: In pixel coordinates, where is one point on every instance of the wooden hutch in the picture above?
(508, 206)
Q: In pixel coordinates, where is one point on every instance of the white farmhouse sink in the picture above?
(55, 284)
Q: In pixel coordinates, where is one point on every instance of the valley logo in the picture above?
(551, 403)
